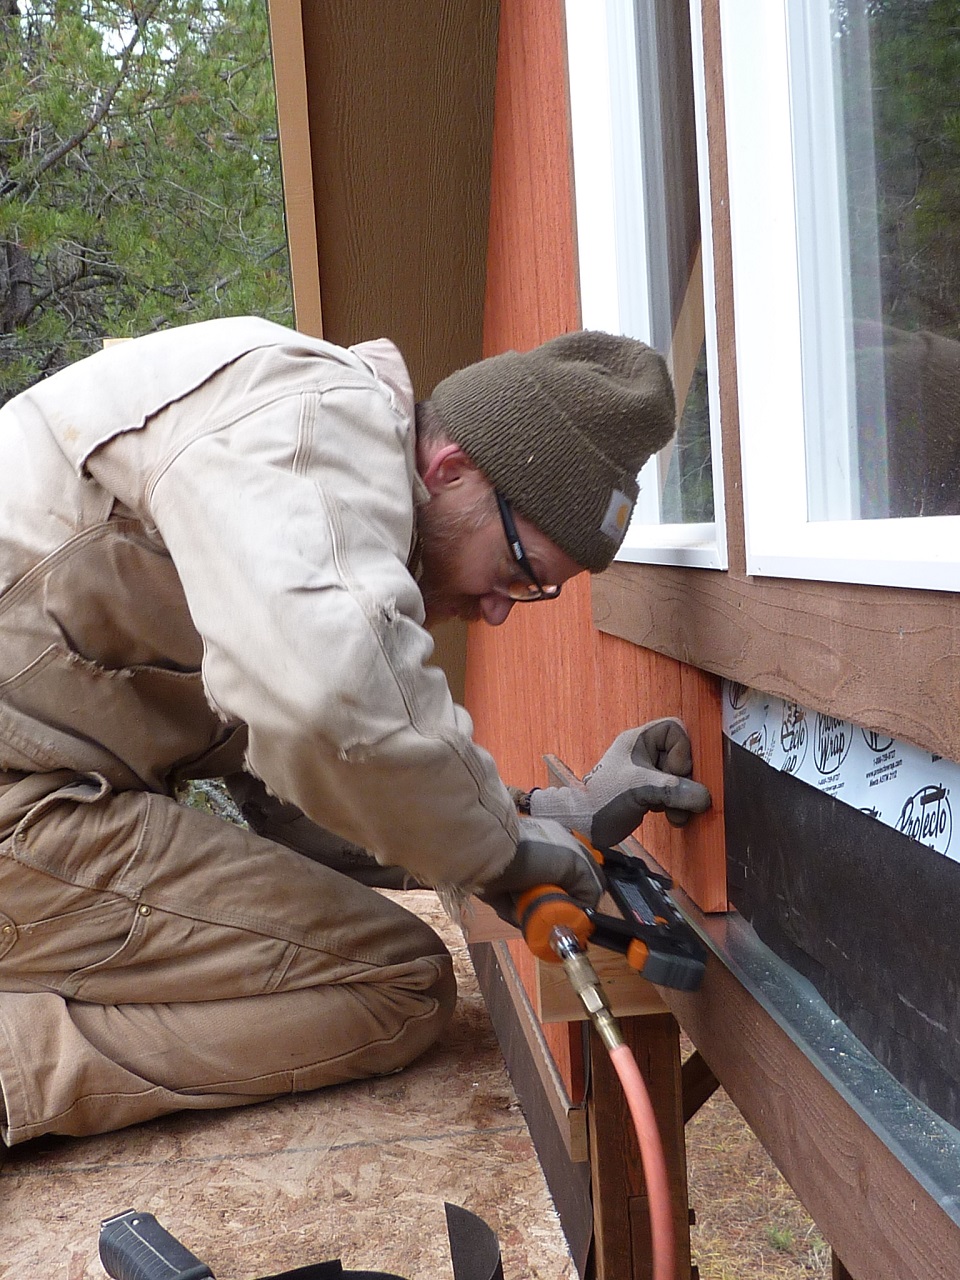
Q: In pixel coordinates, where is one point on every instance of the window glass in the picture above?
(672, 188)
(641, 168)
(887, 74)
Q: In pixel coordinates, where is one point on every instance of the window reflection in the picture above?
(896, 72)
(672, 200)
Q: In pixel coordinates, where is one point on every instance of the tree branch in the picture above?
(77, 282)
(63, 148)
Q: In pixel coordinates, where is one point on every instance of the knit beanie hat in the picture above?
(563, 430)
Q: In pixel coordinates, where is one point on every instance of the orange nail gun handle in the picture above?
(540, 910)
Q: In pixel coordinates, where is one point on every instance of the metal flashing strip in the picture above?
(925, 1144)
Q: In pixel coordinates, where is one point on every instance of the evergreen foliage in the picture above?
(139, 174)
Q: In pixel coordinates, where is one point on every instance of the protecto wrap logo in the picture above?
(831, 742)
(926, 816)
(737, 695)
(793, 736)
(877, 742)
(904, 787)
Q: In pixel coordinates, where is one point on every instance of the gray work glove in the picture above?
(546, 854)
(645, 769)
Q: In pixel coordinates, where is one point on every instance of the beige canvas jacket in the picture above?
(204, 538)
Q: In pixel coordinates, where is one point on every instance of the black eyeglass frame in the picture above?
(520, 555)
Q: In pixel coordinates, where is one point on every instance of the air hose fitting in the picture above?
(585, 982)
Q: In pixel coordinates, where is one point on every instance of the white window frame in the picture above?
(783, 384)
(618, 291)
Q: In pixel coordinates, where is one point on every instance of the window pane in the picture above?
(672, 199)
(894, 68)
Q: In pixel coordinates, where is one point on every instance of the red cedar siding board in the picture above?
(548, 681)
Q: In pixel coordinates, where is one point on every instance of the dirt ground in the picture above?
(749, 1224)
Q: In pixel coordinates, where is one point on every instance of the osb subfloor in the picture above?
(358, 1173)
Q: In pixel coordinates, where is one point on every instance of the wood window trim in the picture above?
(885, 659)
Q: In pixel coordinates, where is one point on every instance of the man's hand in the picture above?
(646, 769)
(546, 854)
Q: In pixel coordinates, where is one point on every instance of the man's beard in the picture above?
(441, 537)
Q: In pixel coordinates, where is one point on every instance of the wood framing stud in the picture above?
(699, 1084)
(621, 1219)
(630, 995)
(290, 78)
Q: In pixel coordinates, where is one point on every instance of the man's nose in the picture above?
(495, 608)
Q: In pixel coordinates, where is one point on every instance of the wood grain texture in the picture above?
(400, 104)
(630, 995)
(837, 1270)
(699, 1084)
(531, 295)
(549, 681)
(531, 291)
(570, 1118)
(561, 1038)
(723, 282)
(293, 126)
(621, 1208)
(887, 660)
(527, 1060)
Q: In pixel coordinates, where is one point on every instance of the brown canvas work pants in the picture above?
(155, 958)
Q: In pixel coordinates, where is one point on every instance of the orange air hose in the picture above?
(653, 1161)
(556, 929)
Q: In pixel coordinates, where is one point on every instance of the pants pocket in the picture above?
(65, 950)
(65, 880)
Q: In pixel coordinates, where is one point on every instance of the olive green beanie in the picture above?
(563, 430)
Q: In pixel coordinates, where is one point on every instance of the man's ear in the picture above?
(446, 469)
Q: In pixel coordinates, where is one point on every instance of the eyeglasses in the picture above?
(518, 590)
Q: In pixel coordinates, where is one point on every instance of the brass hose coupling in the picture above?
(585, 982)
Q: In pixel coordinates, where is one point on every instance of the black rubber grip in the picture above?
(134, 1246)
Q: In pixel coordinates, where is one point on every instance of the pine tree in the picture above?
(139, 174)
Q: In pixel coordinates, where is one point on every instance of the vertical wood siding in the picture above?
(549, 681)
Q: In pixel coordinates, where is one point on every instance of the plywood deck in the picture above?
(359, 1172)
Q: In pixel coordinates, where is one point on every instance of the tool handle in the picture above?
(540, 910)
(134, 1246)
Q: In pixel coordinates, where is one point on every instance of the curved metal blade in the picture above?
(474, 1248)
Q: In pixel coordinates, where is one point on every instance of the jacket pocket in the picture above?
(132, 725)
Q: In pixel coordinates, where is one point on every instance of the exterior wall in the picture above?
(564, 679)
(386, 168)
(388, 225)
(862, 911)
(639, 642)
(548, 682)
(885, 658)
